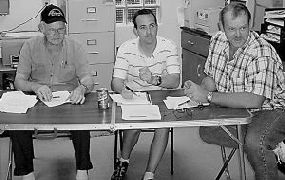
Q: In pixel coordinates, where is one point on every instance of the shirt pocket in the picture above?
(238, 84)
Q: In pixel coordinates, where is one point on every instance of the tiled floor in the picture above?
(193, 159)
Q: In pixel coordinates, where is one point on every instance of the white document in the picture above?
(59, 98)
(140, 112)
(140, 98)
(181, 102)
(17, 102)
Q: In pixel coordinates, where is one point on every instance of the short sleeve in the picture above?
(121, 65)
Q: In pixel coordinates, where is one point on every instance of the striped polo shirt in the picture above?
(255, 68)
(130, 59)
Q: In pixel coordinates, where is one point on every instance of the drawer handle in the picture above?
(191, 43)
(94, 52)
(89, 19)
(94, 73)
(198, 70)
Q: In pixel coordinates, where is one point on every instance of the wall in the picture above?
(21, 11)
(168, 26)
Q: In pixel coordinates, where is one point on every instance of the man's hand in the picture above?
(145, 75)
(127, 94)
(44, 93)
(195, 92)
(77, 95)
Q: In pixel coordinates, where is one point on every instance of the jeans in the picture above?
(22, 145)
(262, 135)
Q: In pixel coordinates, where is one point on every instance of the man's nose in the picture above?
(238, 33)
(148, 30)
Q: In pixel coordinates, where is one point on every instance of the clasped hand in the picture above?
(44, 93)
(146, 75)
(195, 92)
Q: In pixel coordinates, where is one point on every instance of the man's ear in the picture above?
(135, 31)
(221, 27)
(41, 27)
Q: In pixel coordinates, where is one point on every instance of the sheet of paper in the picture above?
(59, 98)
(17, 102)
(173, 102)
(141, 98)
(140, 112)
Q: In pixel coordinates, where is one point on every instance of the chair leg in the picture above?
(171, 153)
(121, 139)
(10, 161)
(226, 161)
(115, 148)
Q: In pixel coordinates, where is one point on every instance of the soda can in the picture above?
(103, 98)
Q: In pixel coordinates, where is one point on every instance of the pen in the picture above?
(128, 88)
(184, 102)
(55, 97)
(137, 116)
(149, 97)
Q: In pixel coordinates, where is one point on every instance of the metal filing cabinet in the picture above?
(92, 23)
(195, 49)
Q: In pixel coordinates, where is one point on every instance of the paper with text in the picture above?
(140, 112)
(59, 98)
(17, 102)
(174, 102)
(141, 98)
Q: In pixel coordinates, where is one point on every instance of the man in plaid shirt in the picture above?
(244, 71)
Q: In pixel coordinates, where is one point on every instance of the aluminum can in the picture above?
(103, 98)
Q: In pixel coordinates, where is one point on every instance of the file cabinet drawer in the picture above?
(102, 75)
(99, 46)
(90, 16)
(194, 43)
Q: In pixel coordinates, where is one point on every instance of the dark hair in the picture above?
(236, 9)
(143, 12)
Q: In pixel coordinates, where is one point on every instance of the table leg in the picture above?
(241, 153)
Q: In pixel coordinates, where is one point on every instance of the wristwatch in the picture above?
(210, 96)
(158, 81)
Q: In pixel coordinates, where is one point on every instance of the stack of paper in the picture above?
(275, 17)
(140, 98)
(59, 98)
(17, 102)
(140, 112)
(180, 102)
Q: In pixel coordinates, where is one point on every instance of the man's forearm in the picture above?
(237, 100)
(87, 83)
(25, 85)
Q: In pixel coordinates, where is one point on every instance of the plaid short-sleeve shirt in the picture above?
(255, 68)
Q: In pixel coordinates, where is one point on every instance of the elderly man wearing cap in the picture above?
(50, 63)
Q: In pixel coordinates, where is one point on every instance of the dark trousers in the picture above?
(22, 145)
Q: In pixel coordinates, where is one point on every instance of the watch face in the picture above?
(158, 80)
(209, 97)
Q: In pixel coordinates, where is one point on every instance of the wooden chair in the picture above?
(120, 134)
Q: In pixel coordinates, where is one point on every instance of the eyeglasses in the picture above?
(59, 31)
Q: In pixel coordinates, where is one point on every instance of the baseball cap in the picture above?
(51, 14)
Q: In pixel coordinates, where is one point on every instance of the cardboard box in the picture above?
(271, 3)
(195, 5)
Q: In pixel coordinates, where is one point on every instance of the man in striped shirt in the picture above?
(148, 62)
(244, 71)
